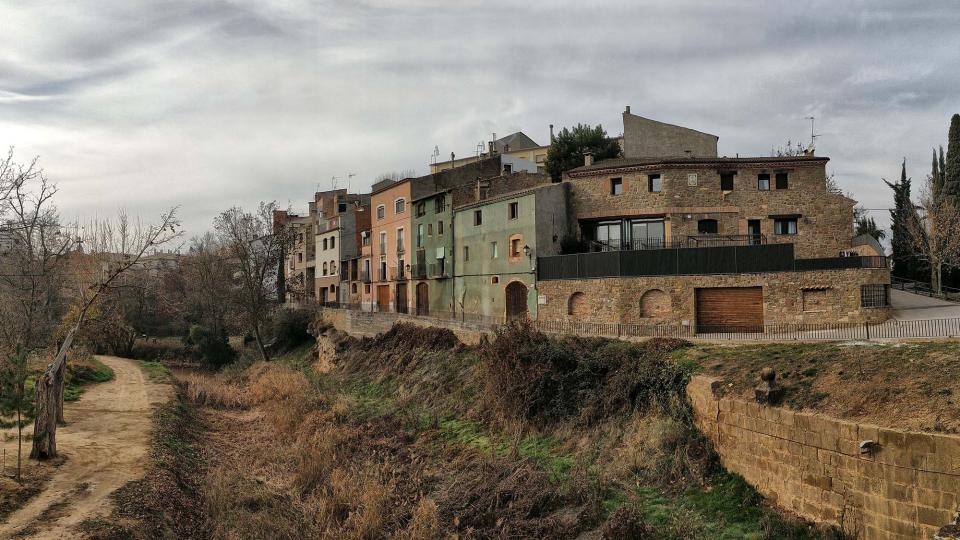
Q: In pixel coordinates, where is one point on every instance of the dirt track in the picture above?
(105, 442)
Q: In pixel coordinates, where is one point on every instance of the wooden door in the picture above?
(730, 309)
(423, 299)
(383, 297)
(516, 301)
(400, 302)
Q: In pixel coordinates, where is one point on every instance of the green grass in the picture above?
(81, 375)
(538, 448)
(155, 371)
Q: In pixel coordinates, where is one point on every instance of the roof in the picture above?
(623, 163)
(867, 240)
(516, 141)
(508, 195)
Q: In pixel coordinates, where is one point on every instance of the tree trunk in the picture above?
(259, 340)
(58, 384)
(45, 421)
(936, 277)
(19, 436)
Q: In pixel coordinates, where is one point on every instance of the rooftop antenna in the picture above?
(333, 181)
(349, 176)
(813, 136)
(435, 155)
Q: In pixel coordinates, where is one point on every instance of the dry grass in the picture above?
(213, 391)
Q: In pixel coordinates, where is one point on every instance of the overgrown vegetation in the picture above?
(414, 435)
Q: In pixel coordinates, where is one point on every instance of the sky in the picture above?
(204, 105)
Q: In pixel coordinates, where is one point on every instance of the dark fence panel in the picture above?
(708, 260)
(603, 264)
(765, 258)
(658, 262)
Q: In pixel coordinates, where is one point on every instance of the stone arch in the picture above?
(577, 305)
(655, 304)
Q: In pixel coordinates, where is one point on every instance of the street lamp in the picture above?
(526, 251)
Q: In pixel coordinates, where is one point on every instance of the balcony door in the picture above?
(607, 234)
(647, 234)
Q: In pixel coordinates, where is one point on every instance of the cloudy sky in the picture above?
(207, 104)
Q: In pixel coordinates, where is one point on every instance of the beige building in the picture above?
(519, 153)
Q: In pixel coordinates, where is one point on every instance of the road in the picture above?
(913, 307)
(105, 441)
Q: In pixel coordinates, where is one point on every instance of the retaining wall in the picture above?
(811, 464)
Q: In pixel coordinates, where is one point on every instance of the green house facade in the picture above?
(432, 264)
(497, 241)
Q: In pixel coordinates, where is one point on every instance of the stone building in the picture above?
(643, 137)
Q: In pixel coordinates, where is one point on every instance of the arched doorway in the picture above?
(423, 299)
(516, 293)
(577, 307)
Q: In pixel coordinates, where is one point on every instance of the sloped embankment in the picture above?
(414, 435)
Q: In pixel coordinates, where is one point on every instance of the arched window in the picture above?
(324, 244)
(324, 268)
(400, 206)
(381, 211)
(577, 305)
(654, 304)
(333, 242)
(333, 268)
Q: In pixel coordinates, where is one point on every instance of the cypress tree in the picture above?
(936, 179)
(905, 262)
(951, 170)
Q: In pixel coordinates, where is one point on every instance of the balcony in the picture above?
(734, 259)
(704, 240)
(398, 273)
(418, 271)
(365, 276)
(401, 250)
(439, 271)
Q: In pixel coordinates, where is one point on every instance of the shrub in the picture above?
(156, 349)
(214, 348)
(289, 329)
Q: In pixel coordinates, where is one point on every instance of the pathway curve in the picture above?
(105, 441)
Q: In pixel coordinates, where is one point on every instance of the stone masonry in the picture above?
(610, 300)
(905, 487)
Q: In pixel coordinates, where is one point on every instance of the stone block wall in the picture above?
(811, 465)
(612, 300)
(824, 225)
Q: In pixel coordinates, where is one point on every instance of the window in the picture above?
(353, 288)
(400, 246)
(430, 229)
(420, 235)
(507, 168)
(440, 204)
(440, 228)
(874, 296)
(341, 209)
(607, 234)
(785, 226)
(381, 211)
(495, 279)
(707, 226)
(324, 268)
(493, 250)
(366, 289)
(763, 182)
(333, 242)
(324, 244)
(466, 253)
(513, 210)
(781, 180)
(421, 208)
(383, 242)
(616, 186)
(654, 183)
(399, 206)
(726, 181)
(333, 268)
(515, 248)
(477, 218)
(299, 257)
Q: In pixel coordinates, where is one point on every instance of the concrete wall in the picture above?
(824, 226)
(611, 300)
(643, 137)
(811, 465)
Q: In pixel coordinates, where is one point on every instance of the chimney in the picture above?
(587, 159)
(627, 111)
(551, 133)
(490, 147)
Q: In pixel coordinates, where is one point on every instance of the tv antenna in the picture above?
(435, 155)
(333, 181)
(813, 135)
(349, 176)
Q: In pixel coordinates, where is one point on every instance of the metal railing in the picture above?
(418, 271)
(890, 329)
(703, 240)
(439, 271)
(923, 288)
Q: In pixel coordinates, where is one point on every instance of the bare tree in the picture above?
(934, 234)
(254, 251)
(112, 248)
(31, 274)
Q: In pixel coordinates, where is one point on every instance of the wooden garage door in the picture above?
(730, 309)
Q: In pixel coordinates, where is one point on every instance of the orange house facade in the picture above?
(390, 231)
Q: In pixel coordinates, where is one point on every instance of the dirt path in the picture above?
(105, 442)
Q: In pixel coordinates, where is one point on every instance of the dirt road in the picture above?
(105, 441)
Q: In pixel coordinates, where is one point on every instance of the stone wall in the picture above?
(611, 300)
(366, 324)
(643, 137)
(824, 225)
(811, 465)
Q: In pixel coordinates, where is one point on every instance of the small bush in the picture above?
(289, 329)
(157, 349)
(214, 348)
